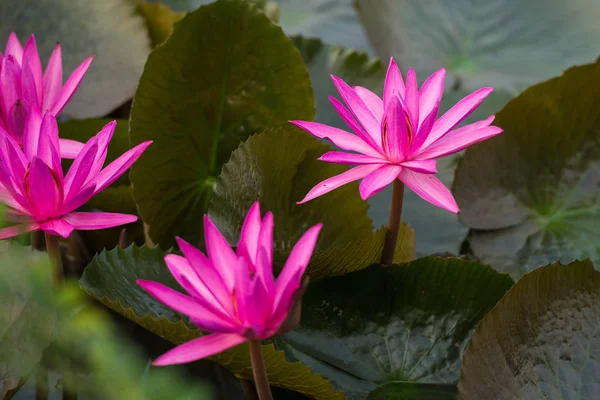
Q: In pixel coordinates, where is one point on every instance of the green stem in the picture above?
(41, 375)
(393, 227)
(53, 250)
(259, 371)
(37, 240)
(41, 383)
(68, 385)
(249, 389)
(123, 239)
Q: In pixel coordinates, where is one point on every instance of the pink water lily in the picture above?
(399, 136)
(233, 295)
(23, 85)
(37, 193)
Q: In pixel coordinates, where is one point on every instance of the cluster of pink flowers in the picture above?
(32, 183)
(232, 294)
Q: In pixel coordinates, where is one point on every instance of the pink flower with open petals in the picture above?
(234, 295)
(22, 85)
(399, 136)
(37, 193)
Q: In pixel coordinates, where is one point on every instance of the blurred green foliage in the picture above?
(82, 338)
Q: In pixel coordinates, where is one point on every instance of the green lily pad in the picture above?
(506, 44)
(27, 317)
(542, 340)
(225, 73)
(414, 391)
(399, 331)
(278, 167)
(437, 230)
(110, 30)
(531, 195)
(111, 277)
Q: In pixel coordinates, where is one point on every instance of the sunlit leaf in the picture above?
(531, 195)
(225, 73)
(542, 340)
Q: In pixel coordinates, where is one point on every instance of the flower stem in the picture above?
(37, 240)
(55, 259)
(249, 389)
(53, 249)
(260, 372)
(41, 376)
(41, 383)
(393, 227)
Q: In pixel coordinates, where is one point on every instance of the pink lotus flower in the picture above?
(399, 136)
(22, 86)
(233, 295)
(32, 184)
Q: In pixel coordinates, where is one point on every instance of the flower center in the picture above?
(235, 306)
(409, 129)
(385, 138)
(43, 206)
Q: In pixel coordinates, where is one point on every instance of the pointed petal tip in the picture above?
(13, 37)
(31, 40)
(255, 207)
(180, 241)
(337, 80)
(146, 284)
(453, 209)
(87, 61)
(301, 125)
(441, 73)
